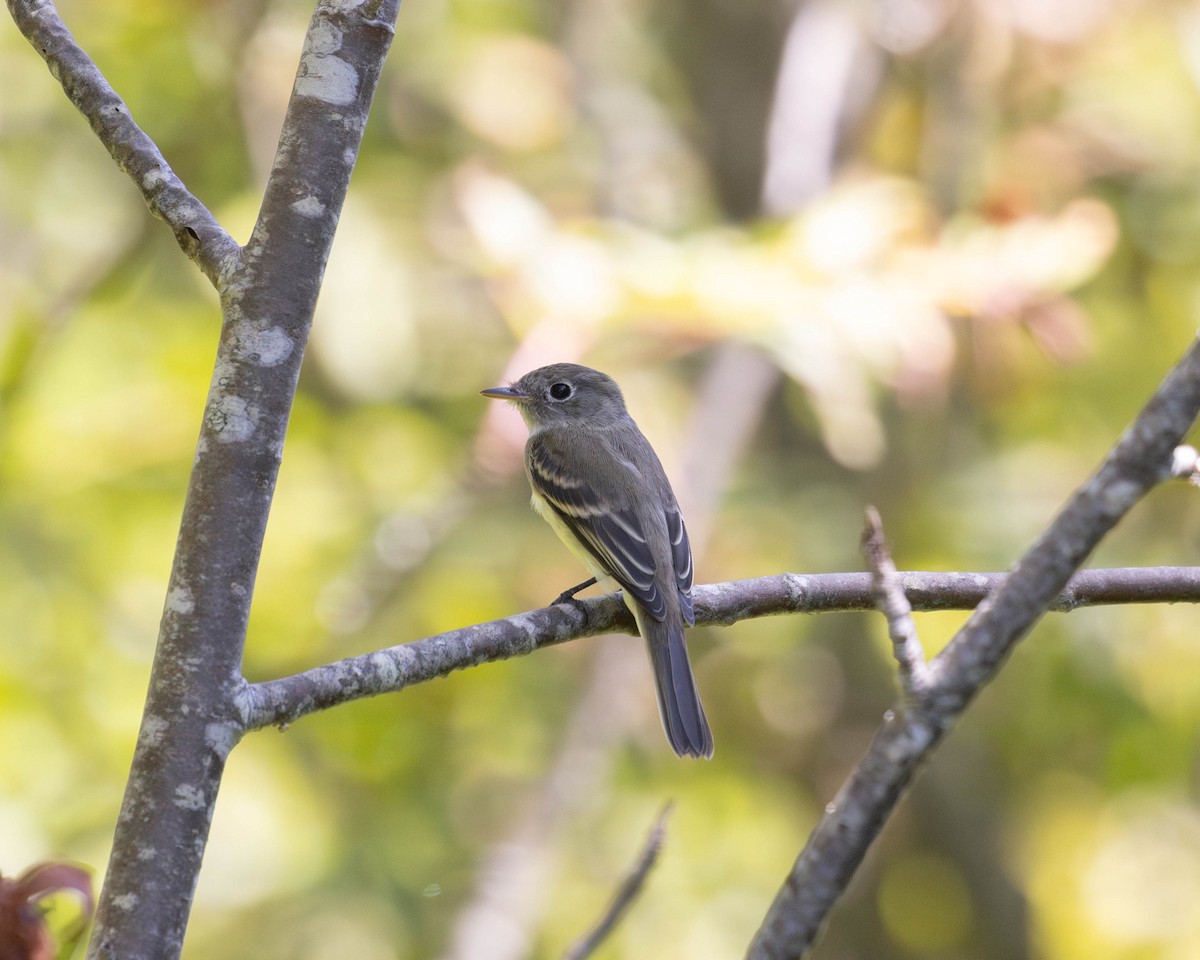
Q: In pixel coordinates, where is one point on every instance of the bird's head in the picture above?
(564, 394)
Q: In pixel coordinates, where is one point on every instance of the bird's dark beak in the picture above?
(505, 393)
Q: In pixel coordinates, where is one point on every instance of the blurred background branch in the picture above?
(626, 893)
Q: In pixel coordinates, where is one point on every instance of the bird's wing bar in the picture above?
(681, 554)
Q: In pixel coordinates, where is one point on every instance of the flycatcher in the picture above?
(598, 482)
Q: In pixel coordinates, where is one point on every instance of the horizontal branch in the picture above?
(279, 702)
(196, 230)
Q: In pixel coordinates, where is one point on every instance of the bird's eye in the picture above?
(560, 391)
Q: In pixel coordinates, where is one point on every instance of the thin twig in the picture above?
(627, 892)
(196, 230)
(893, 604)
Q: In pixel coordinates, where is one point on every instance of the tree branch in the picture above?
(1141, 459)
(192, 719)
(280, 702)
(196, 231)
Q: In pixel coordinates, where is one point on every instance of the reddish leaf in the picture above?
(23, 932)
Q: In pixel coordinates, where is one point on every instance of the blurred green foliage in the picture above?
(950, 315)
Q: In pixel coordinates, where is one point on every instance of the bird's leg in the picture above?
(568, 596)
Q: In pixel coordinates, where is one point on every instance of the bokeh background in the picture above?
(927, 254)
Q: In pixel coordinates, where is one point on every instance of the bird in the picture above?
(597, 481)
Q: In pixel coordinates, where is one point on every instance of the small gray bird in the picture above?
(600, 485)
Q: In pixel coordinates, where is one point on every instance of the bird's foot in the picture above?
(568, 596)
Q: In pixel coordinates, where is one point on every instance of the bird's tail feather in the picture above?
(678, 701)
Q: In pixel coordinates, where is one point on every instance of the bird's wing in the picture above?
(610, 531)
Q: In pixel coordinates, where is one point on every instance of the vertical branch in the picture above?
(194, 711)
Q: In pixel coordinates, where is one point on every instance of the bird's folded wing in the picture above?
(611, 532)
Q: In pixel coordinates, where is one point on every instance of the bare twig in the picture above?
(1141, 459)
(196, 231)
(626, 893)
(894, 605)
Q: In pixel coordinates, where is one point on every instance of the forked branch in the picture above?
(1143, 457)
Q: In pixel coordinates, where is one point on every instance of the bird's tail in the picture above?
(678, 701)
